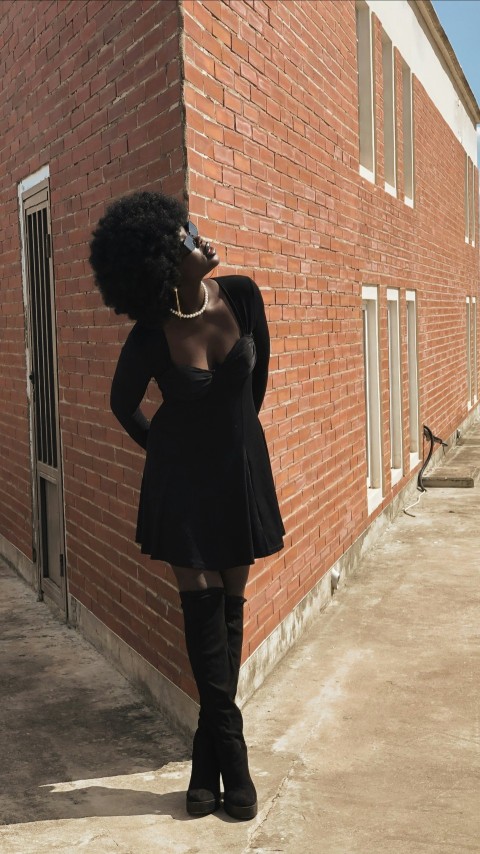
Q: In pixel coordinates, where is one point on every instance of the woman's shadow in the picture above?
(97, 801)
(80, 760)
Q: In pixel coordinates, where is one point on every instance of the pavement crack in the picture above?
(266, 814)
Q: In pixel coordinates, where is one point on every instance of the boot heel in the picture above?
(240, 796)
(201, 802)
(241, 813)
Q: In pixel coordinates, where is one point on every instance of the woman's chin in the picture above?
(213, 262)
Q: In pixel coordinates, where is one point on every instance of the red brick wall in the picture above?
(272, 131)
(94, 90)
(424, 249)
(273, 179)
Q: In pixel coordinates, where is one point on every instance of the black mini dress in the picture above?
(207, 498)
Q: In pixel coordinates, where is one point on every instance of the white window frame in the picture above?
(366, 91)
(467, 198)
(469, 352)
(389, 116)
(395, 385)
(413, 378)
(373, 421)
(474, 350)
(472, 204)
(408, 149)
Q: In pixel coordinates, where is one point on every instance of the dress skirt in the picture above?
(208, 498)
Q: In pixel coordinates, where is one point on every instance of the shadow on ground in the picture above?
(73, 731)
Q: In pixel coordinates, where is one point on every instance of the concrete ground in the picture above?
(365, 739)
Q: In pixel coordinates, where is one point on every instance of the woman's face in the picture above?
(202, 258)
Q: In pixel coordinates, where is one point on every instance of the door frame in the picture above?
(34, 193)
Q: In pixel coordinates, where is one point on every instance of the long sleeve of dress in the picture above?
(261, 337)
(129, 384)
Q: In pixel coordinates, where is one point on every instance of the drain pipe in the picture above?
(427, 433)
(334, 578)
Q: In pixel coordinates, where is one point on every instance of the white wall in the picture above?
(399, 21)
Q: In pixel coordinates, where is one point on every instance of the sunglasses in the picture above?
(189, 243)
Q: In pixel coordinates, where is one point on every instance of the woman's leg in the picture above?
(196, 579)
(234, 583)
(203, 794)
(240, 795)
(235, 580)
(215, 668)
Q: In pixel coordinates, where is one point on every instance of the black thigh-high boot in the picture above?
(238, 803)
(207, 645)
(203, 794)
(234, 622)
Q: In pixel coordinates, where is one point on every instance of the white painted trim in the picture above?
(396, 475)
(408, 201)
(468, 329)
(408, 132)
(374, 499)
(413, 376)
(475, 353)
(367, 173)
(466, 199)
(395, 382)
(389, 116)
(33, 179)
(373, 414)
(414, 460)
(27, 184)
(369, 292)
(366, 91)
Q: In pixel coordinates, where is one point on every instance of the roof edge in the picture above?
(432, 21)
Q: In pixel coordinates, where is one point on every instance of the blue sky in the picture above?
(461, 21)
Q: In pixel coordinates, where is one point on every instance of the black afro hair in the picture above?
(135, 254)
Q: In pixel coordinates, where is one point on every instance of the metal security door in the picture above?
(47, 474)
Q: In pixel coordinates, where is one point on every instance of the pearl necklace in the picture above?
(179, 313)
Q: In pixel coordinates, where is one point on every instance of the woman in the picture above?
(207, 503)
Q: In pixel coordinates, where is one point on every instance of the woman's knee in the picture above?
(196, 579)
(235, 580)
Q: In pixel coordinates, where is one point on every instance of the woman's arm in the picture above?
(129, 384)
(261, 337)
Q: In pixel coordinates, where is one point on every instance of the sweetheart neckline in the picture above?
(210, 370)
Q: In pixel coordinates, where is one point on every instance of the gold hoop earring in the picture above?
(178, 301)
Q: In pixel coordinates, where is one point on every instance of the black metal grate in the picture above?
(42, 348)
